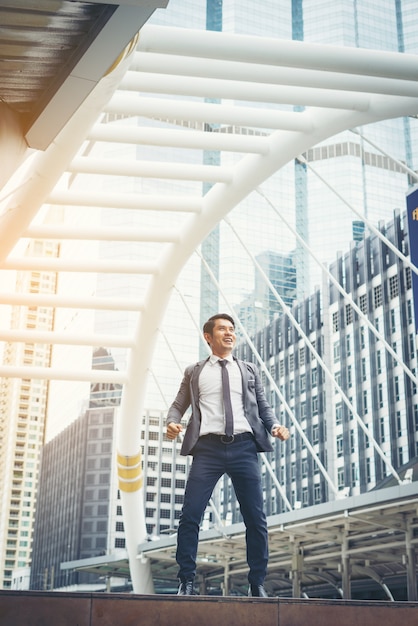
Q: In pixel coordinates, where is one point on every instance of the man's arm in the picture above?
(266, 412)
(178, 408)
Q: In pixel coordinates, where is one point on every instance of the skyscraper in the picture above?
(23, 408)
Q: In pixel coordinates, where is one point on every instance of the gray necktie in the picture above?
(229, 419)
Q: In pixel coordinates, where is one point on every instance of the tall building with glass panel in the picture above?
(355, 402)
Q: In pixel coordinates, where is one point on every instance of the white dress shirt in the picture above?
(211, 398)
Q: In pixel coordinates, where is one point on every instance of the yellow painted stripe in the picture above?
(129, 487)
(131, 472)
(129, 461)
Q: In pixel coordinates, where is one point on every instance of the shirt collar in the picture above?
(214, 359)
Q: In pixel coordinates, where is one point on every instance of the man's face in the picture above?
(223, 338)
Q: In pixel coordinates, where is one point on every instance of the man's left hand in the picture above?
(281, 432)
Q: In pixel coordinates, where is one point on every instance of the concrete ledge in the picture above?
(24, 608)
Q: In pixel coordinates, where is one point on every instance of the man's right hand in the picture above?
(173, 430)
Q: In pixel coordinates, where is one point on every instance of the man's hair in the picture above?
(209, 325)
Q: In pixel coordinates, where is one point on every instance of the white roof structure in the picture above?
(287, 95)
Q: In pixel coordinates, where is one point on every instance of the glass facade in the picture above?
(354, 401)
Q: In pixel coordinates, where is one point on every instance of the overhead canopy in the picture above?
(376, 532)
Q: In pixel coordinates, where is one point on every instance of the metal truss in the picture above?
(265, 101)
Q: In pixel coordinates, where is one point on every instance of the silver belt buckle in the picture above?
(227, 438)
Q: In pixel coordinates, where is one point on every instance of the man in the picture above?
(222, 389)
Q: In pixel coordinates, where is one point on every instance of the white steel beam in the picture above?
(71, 302)
(151, 169)
(248, 91)
(66, 338)
(79, 265)
(156, 235)
(140, 201)
(53, 373)
(215, 71)
(249, 49)
(213, 113)
(193, 139)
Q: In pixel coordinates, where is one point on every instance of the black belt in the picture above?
(228, 439)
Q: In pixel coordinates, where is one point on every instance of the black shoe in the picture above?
(257, 591)
(186, 588)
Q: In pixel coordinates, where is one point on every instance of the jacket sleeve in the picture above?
(181, 402)
(265, 411)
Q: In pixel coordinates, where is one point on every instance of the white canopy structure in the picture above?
(291, 95)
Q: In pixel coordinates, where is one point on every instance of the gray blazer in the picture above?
(257, 410)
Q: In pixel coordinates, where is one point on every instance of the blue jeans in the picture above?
(212, 459)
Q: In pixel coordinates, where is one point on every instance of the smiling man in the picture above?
(230, 423)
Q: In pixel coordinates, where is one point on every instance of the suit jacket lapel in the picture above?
(194, 382)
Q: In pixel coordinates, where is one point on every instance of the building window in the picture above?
(362, 338)
(396, 388)
(340, 478)
(339, 413)
(120, 542)
(365, 405)
(354, 475)
(352, 442)
(382, 429)
(120, 527)
(293, 470)
(340, 445)
(378, 300)
(104, 479)
(363, 303)
(379, 362)
(337, 351)
(393, 287)
(408, 278)
(393, 320)
(398, 424)
(335, 324)
(349, 376)
(380, 395)
(363, 369)
(301, 357)
(348, 314)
